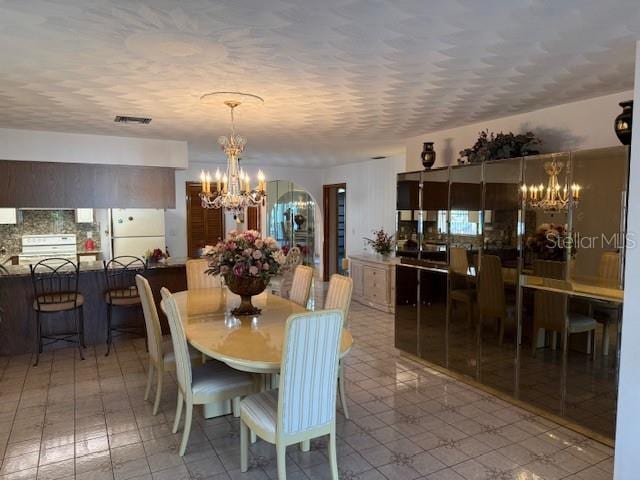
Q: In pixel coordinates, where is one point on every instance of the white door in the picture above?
(137, 246)
(137, 222)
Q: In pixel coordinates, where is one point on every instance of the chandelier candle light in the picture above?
(233, 191)
(553, 198)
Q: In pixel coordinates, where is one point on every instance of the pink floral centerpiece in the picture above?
(247, 262)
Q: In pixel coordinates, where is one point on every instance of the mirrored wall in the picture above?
(517, 268)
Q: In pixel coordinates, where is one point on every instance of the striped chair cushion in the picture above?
(261, 409)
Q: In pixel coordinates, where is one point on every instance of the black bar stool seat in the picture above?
(58, 302)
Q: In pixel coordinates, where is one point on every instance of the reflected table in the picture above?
(248, 343)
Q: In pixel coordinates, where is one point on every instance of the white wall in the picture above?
(571, 126)
(371, 197)
(628, 421)
(309, 179)
(37, 146)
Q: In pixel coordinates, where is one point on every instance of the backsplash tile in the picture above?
(42, 222)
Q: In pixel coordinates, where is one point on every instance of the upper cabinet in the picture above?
(84, 215)
(8, 216)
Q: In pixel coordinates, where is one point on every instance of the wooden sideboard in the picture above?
(374, 281)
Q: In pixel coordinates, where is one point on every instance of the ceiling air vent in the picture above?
(379, 157)
(126, 119)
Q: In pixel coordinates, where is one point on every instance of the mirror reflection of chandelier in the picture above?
(555, 197)
(233, 191)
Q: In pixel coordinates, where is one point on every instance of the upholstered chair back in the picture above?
(609, 267)
(196, 278)
(151, 319)
(179, 341)
(339, 295)
(301, 285)
(491, 296)
(309, 371)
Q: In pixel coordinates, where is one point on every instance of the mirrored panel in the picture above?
(433, 315)
(406, 309)
(594, 323)
(408, 215)
(545, 249)
(465, 235)
(498, 274)
(435, 215)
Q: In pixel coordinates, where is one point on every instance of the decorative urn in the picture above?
(623, 122)
(428, 155)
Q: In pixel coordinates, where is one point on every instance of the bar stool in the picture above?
(122, 292)
(55, 285)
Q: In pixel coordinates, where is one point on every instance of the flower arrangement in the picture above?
(382, 242)
(155, 255)
(497, 146)
(245, 255)
(550, 242)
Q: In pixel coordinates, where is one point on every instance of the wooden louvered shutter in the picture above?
(205, 226)
(253, 218)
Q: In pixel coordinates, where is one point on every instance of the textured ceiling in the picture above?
(343, 79)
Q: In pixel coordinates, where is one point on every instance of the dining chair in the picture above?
(122, 292)
(196, 276)
(604, 312)
(339, 297)
(55, 288)
(492, 303)
(301, 285)
(304, 405)
(161, 357)
(551, 309)
(206, 383)
(281, 285)
(461, 291)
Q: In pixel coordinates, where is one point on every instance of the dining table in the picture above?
(250, 343)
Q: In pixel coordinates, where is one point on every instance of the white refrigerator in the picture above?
(134, 231)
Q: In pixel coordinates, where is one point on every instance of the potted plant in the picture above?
(247, 262)
(550, 241)
(498, 146)
(155, 256)
(382, 243)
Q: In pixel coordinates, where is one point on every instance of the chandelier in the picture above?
(555, 197)
(233, 191)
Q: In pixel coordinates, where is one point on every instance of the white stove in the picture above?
(39, 247)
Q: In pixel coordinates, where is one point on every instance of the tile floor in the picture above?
(87, 420)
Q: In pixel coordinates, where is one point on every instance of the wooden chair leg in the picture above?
(605, 338)
(188, 416)
(244, 446)
(176, 421)
(149, 380)
(305, 445)
(235, 404)
(534, 341)
(281, 460)
(160, 378)
(333, 456)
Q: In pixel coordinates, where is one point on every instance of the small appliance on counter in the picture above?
(39, 247)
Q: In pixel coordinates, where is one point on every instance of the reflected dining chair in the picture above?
(461, 289)
(281, 285)
(604, 312)
(161, 357)
(301, 285)
(196, 276)
(339, 297)
(551, 309)
(122, 292)
(492, 303)
(304, 405)
(207, 383)
(55, 288)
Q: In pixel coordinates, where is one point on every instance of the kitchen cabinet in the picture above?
(84, 215)
(8, 216)
(374, 281)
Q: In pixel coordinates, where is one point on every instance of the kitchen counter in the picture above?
(18, 326)
(24, 270)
